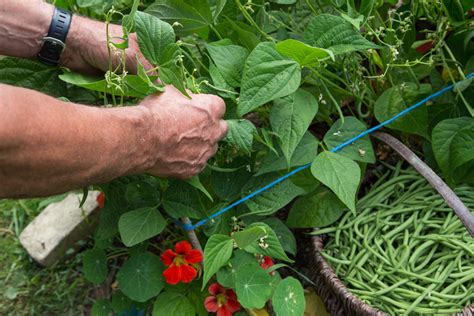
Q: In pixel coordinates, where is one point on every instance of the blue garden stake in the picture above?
(189, 227)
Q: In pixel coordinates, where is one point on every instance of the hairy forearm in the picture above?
(26, 22)
(48, 146)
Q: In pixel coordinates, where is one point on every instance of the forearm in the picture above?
(48, 146)
(26, 23)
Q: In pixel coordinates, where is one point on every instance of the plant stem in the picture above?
(192, 235)
(436, 182)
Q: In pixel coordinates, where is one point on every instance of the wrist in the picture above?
(139, 150)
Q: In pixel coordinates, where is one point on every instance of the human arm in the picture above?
(48, 146)
(25, 23)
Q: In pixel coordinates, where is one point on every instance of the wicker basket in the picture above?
(337, 298)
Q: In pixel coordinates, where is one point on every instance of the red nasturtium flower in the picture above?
(181, 264)
(101, 200)
(266, 262)
(222, 301)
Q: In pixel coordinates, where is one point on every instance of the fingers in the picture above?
(219, 106)
(223, 129)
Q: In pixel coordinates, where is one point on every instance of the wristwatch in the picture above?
(54, 43)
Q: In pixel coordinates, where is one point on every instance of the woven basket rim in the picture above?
(339, 289)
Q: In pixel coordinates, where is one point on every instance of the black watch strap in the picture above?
(54, 42)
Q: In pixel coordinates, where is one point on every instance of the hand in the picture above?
(185, 131)
(86, 47)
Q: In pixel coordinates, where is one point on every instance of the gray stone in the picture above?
(59, 226)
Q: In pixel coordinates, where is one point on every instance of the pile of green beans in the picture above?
(405, 252)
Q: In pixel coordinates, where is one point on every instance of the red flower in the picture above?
(222, 301)
(181, 264)
(266, 262)
(101, 200)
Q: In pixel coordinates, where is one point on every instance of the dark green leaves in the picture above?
(304, 153)
(336, 34)
(217, 252)
(194, 17)
(317, 209)
(241, 134)
(453, 146)
(140, 225)
(303, 54)
(274, 198)
(288, 299)
(267, 76)
(173, 304)
(33, 75)
(133, 86)
(398, 98)
(94, 264)
(140, 278)
(154, 36)
(181, 200)
(290, 119)
(340, 174)
(339, 132)
(229, 60)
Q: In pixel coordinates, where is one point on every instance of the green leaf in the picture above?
(228, 185)
(173, 304)
(195, 182)
(288, 299)
(193, 16)
(453, 143)
(398, 98)
(94, 262)
(227, 275)
(142, 194)
(252, 286)
(229, 59)
(249, 235)
(182, 200)
(267, 76)
(120, 303)
(101, 308)
(140, 225)
(140, 278)
(302, 53)
(318, 209)
(290, 118)
(239, 33)
(153, 36)
(285, 236)
(269, 245)
(32, 75)
(272, 199)
(336, 34)
(217, 9)
(340, 174)
(304, 153)
(241, 134)
(361, 150)
(217, 252)
(134, 86)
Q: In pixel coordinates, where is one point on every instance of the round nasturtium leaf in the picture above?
(141, 277)
(94, 263)
(288, 299)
